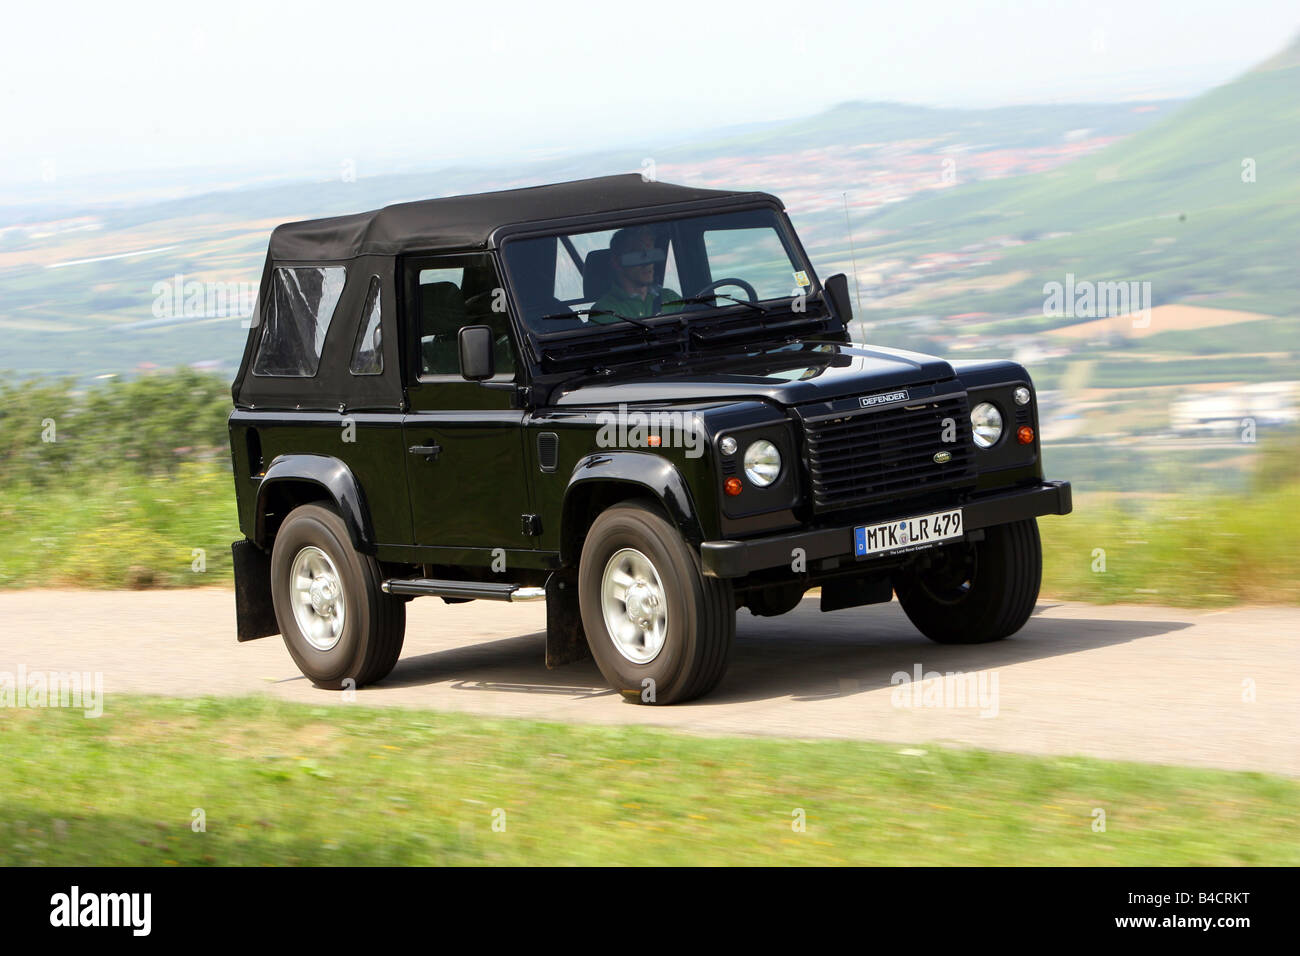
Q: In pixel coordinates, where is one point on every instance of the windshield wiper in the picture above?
(714, 296)
(787, 329)
(591, 312)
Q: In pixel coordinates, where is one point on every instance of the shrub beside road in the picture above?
(121, 484)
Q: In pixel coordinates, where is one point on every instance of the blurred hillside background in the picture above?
(952, 222)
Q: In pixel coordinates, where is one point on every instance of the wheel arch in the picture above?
(603, 480)
(296, 479)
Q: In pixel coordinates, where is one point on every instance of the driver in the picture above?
(634, 292)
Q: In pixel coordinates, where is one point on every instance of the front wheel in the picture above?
(976, 593)
(659, 629)
(340, 628)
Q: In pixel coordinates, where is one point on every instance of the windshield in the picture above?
(619, 275)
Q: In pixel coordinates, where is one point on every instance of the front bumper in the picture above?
(734, 559)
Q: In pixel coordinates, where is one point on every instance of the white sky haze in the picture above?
(104, 87)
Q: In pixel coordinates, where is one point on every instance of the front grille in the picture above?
(860, 457)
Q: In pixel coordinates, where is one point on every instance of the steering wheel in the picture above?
(719, 283)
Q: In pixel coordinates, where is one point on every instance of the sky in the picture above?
(91, 89)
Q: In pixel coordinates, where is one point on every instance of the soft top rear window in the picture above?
(302, 306)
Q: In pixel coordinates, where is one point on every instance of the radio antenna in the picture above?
(857, 292)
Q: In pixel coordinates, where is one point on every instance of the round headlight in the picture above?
(762, 463)
(1022, 396)
(727, 445)
(986, 424)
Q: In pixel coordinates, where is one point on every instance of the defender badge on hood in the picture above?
(869, 400)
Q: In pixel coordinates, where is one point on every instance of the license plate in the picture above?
(908, 534)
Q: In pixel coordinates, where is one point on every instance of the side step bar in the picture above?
(421, 587)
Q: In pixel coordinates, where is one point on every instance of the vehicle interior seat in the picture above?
(442, 314)
(534, 264)
(597, 274)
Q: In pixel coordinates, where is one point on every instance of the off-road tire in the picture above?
(701, 611)
(374, 623)
(1005, 572)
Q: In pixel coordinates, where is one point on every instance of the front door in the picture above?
(465, 462)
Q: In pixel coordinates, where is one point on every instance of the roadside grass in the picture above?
(280, 783)
(1178, 550)
(120, 529)
(1184, 550)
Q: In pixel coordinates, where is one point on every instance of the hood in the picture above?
(788, 375)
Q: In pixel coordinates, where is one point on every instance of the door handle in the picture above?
(430, 452)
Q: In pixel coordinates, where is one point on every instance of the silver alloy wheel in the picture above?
(634, 605)
(317, 593)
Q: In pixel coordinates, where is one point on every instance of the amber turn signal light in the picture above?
(732, 486)
(1025, 435)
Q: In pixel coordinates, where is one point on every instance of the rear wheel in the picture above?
(340, 628)
(975, 593)
(659, 629)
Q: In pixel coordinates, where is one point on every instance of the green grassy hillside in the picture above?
(1171, 205)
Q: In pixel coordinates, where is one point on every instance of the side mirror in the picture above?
(837, 291)
(477, 362)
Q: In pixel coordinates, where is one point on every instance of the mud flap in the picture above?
(855, 592)
(254, 610)
(565, 640)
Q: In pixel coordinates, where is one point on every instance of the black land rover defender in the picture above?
(633, 400)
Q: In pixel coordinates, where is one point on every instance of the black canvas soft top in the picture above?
(467, 222)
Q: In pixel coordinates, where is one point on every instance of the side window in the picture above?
(368, 350)
(297, 319)
(671, 279)
(456, 291)
(568, 280)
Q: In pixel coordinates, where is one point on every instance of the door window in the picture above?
(456, 291)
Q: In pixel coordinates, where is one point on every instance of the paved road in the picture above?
(1139, 683)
